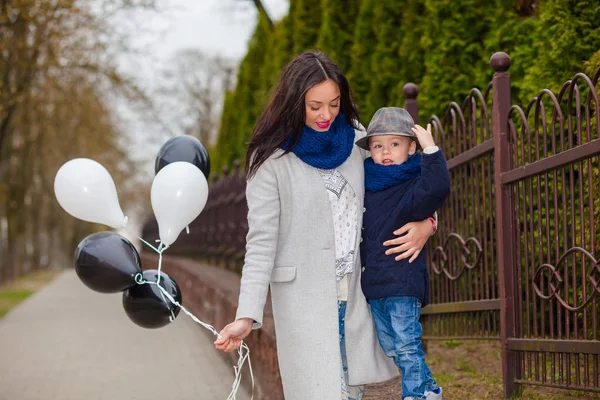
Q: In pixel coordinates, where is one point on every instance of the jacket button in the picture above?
(363, 269)
(361, 239)
(364, 209)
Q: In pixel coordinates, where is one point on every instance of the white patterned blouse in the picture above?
(344, 209)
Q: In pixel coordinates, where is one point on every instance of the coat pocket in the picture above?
(283, 274)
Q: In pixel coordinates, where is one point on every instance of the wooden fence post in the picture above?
(501, 103)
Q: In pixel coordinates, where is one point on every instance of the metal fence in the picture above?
(462, 256)
(550, 217)
(515, 257)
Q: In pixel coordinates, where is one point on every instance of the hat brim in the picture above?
(364, 142)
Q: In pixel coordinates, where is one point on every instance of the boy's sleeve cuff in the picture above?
(430, 149)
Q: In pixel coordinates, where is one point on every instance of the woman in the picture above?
(305, 200)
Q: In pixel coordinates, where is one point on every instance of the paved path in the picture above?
(68, 342)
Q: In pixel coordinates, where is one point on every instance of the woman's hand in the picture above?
(411, 244)
(233, 334)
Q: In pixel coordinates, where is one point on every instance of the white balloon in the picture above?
(85, 189)
(178, 195)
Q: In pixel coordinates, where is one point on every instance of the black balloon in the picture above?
(107, 262)
(147, 306)
(183, 148)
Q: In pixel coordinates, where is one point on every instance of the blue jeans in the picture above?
(399, 333)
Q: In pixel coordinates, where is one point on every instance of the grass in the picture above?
(13, 293)
(471, 369)
(465, 367)
(10, 298)
(452, 343)
(443, 379)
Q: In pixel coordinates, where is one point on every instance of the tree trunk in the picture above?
(261, 9)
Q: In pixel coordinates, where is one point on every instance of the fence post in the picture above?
(410, 92)
(501, 103)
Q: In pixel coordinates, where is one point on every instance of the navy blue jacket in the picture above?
(389, 209)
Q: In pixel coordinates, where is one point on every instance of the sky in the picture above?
(217, 27)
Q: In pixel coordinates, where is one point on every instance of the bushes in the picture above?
(360, 75)
(337, 30)
(444, 46)
(241, 107)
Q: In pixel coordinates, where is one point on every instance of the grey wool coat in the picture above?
(290, 246)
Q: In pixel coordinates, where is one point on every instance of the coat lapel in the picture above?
(353, 171)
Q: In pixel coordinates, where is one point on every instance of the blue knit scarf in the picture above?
(325, 150)
(379, 177)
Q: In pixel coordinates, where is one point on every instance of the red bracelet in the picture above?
(433, 223)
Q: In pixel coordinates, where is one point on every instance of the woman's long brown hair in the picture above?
(284, 115)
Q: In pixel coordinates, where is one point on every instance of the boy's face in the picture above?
(391, 149)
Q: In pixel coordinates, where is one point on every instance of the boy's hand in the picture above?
(424, 136)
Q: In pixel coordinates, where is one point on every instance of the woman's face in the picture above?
(322, 104)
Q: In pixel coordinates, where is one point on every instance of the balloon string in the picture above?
(243, 351)
(162, 290)
(149, 245)
(161, 247)
(160, 251)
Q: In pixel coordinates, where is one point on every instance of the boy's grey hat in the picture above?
(388, 121)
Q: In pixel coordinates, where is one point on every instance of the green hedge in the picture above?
(443, 46)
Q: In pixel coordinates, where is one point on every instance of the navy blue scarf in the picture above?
(325, 150)
(379, 177)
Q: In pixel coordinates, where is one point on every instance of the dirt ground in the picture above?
(470, 370)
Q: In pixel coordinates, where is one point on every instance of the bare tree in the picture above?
(261, 9)
(194, 89)
(245, 5)
(55, 71)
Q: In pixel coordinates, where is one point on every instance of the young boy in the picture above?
(401, 186)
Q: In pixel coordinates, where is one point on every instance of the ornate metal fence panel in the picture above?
(462, 268)
(553, 179)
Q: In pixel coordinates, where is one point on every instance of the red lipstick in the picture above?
(323, 125)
